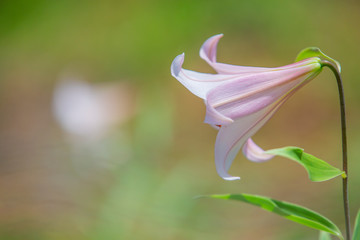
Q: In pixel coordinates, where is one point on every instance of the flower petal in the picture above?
(249, 94)
(255, 153)
(232, 137)
(208, 49)
(208, 53)
(215, 117)
(198, 83)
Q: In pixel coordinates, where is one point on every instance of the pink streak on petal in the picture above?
(252, 103)
(208, 53)
(247, 95)
(255, 153)
(232, 137)
(223, 68)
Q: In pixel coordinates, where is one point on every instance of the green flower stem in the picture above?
(334, 69)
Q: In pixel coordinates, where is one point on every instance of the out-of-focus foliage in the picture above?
(137, 179)
(357, 227)
(324, 236)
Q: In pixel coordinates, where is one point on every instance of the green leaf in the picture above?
(316, 52)
(357, 227)
(287, 210)
(317, 169)
(324, 236)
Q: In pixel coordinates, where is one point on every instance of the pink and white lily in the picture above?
(240, 100)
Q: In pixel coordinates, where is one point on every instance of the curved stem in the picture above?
(334, 69)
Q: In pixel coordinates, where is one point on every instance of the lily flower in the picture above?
(240, 100)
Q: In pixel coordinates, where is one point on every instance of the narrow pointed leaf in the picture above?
(357, 227)
(317, 169)
(324, 236)
(287, 210)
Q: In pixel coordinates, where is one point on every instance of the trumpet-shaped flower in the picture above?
(240, 100)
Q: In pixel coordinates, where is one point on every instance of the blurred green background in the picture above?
(137, 176)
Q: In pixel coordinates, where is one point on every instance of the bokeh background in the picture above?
(98, 141)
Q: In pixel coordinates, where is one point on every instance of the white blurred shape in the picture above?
(89, 111)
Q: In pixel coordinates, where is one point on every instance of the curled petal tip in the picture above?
(224, 174)
(177, 64)
(208, 49)
(231, 178)
(254, 153)
(214, 38)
